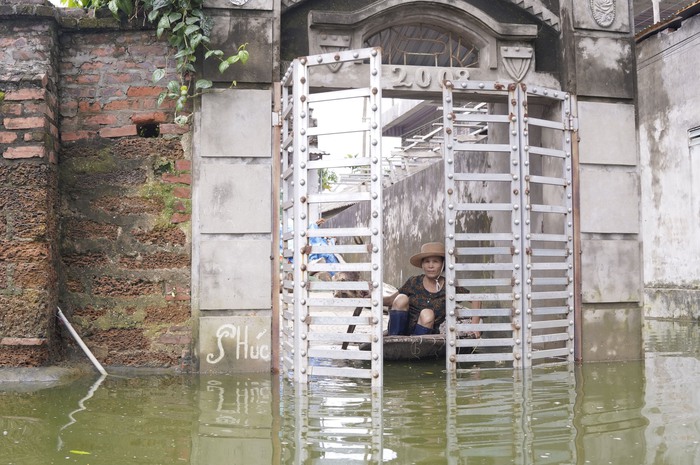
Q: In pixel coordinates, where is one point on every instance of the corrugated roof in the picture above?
(672, 14)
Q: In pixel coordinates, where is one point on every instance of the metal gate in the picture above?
(320, 317)
(508, 178)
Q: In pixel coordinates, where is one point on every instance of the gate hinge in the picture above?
(276, 118)
(572, 123)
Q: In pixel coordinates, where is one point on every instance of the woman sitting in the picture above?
(418, 307)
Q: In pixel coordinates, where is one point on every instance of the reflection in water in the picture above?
(645, 412)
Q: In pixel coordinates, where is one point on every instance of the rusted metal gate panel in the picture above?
(511, 184)
(316, 314)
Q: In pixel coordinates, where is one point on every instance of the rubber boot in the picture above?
(398, 322)
(420, 330)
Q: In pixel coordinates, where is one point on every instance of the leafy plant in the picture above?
(188, 31)
(328, 178)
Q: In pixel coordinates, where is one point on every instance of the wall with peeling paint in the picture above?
(669, 103)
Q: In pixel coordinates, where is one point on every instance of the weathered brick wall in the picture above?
(28, 185)
(119, 243)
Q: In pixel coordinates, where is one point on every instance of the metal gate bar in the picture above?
(316, 314)
(515, 185)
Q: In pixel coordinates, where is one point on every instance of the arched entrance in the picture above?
(520, 268)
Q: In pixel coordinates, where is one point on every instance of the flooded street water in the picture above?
(645, 412)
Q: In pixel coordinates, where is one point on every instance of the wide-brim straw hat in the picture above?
(430, 249)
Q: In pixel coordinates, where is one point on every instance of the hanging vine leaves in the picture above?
(187, 29)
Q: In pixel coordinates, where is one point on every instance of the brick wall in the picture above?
(28, 188)
(121, 235)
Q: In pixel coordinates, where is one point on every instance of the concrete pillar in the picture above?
(600, 63)
(232, 194)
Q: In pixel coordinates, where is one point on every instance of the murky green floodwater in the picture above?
(645, 412)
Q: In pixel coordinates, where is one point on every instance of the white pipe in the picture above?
(80, 342)
(655, 9)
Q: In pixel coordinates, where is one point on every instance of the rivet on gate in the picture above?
(449, 146)
(452, 328)
(450, 206)
(464, 85)
(374, 126)
(374, 142)
(449, 161)
(375, 339)
(375, 267)
(302, 165)
(375, 231)
(374, 71)
(303, 234)
(302, 182)
(375, 356)
(375, 320)
(303, 353)
(375, 374)
(374, 107)
(448, 99)
(517, 312)
(375, 249)
(518, 341)
(302, 284)
(302, 302)
(374, 196)
(355, 55)
(375, 214)
(303, 216)
(481, 85)
(302, 114)
(375, 284)
(319, 59)
(336, 57)
(303, 370)
(375, 160)
(375, 303)
(303, 62)
(452, 313)
(303, 337)
(374, 52)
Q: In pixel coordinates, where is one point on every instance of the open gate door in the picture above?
(509, 226)
(317, 314)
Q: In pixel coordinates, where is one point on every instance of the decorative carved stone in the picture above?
(603, 12)
(516, 61)
(329, 43)
(239, 2)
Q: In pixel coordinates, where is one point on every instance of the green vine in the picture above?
(188, 29)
